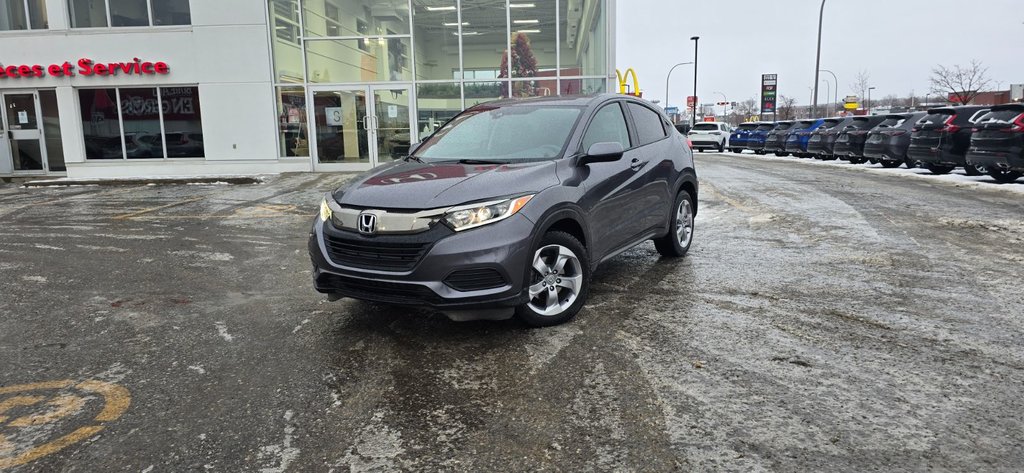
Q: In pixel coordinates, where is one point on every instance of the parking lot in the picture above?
(826, 319)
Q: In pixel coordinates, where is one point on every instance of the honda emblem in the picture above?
(367, 223)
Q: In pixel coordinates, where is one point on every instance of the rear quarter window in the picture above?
(934, 119)
(1000, 116)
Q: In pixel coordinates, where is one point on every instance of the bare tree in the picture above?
(960, 83)
(860, 85)
(786, 108)
(747, 108)
(890, 101)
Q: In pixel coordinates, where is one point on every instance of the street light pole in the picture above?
(696, 100)
(869, 99)
(828, 90)
(834, 79)
(669, 77)
(817, 60)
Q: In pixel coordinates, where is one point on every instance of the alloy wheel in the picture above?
(557, 278)
(684, 223)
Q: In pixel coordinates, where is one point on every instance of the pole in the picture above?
(696, 99)
(828, 90)
(669, 77)
(869, 100)
(834, 79)
(817, 60)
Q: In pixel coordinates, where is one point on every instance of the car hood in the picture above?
(418, 186)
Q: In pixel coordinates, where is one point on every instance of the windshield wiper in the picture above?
(413, 158)
(480, 161)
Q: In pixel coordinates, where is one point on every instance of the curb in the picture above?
(222, 180)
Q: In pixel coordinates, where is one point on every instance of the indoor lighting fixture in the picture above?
(464, 23)
(528, 31)
(466, 33)
(450, 8)
(526, 22)
(521, 5)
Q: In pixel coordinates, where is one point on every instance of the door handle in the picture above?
(636, 164)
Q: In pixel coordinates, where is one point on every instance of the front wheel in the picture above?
(1004, 177)
(558, 282)
(890, 164)
(721, 147)
(974, 170)
(939, 168)
(680, 233)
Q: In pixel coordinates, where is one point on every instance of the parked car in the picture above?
(824, 139)
(940, 140)
(887, 143)
(800, 136)
(739, 136)
(710, 135)
(776, 140)
(849, 144)
(997, 142)
(496, 224)
(757, 137)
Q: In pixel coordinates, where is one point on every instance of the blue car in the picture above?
(757, 137)
(800, 136)
(738, 138)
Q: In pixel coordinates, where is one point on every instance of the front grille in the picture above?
(475, 279)
(380, 253)
(380, 291)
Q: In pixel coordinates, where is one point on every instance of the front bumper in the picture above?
(502, 248)
(1005, 161)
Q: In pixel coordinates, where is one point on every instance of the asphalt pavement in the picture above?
(826, 319)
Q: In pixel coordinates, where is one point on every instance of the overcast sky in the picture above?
(896, 41)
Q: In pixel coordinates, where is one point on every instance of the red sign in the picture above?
(691, 101)
(85, 67)
(709, 119)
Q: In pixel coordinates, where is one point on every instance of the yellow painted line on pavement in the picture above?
(156, 209)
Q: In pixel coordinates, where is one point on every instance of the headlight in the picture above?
(325, 210)
(475, 215)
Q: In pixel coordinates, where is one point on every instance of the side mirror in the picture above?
(413, 147)
(603, 152)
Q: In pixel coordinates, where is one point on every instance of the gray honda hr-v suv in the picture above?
(508, 209)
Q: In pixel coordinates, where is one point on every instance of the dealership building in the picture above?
(124, 88)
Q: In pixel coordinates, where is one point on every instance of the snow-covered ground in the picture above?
(957, 177)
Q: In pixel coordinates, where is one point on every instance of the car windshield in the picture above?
(705, 126)
(503, 133)
(768, 127)
(747, 126)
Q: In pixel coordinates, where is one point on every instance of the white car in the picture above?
(710, 135)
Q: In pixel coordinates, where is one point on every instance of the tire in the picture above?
(563, 259)
(677, 242)
(972, 170)
(873, 161)
(939, 168)
(1005, 177)
(910, 164)
(721, 147)
(781, 154)
(890, 164)
(758, 152)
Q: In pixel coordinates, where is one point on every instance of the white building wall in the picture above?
(225, 52)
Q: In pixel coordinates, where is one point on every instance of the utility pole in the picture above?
(696, 99)
(817, 61)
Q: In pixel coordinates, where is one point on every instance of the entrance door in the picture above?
(23, 140)
(359, 127)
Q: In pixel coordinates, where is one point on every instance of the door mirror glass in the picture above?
(603, 152)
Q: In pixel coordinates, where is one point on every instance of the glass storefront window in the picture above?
(135, 116)
(37, 14)
(171, 12)
(583, 86)
(183, 122)
(436, 103)
(341, 134)
(484, 39)
(287, 43)
(335, 61)
(479, 92)
(533, 39)
(293, 127)
(13, 15)
(584, 38)
(356, 17)
(436, 39)
(51, 131)
(534, 88)
(140, 117)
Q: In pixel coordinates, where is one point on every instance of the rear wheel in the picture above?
(558, 282)
(781, 154)
(975, 170)
(680, 234)
(911, 164)
(890, 164)
(1005, 177)
(939, 168)
(721, 147)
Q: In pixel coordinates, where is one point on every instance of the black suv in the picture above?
(849, 145)
(824, 138)
(997, 143)
(776, 141)
(940, 140)
(887, 143)
(508, 208)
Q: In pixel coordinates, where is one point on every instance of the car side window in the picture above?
(648, 124)
(608, 125)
